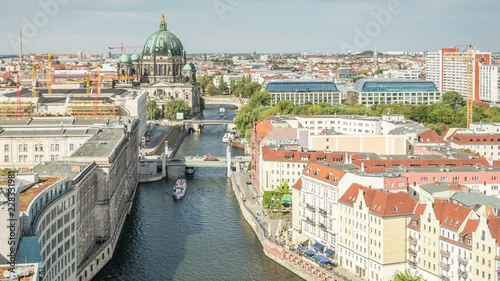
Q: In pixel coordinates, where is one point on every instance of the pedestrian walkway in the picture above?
(254, 204)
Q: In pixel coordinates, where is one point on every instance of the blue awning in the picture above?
(310, 253)
(329, 251)
(318, 246)
(302, 248)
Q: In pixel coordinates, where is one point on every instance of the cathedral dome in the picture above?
(135, 57)
(125, 58)
(189, 67)
(163, 43)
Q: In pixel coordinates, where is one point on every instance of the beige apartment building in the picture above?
(378, 144)
(372, 231)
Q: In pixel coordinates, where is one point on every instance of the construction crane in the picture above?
(97, 90)
(48, 74)
(469, 59)
(122, 47)
(87, 85)
(33, 80)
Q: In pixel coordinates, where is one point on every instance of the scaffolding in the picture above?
(15, 109)
(86, 109)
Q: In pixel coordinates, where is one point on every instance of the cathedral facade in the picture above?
(163, 71)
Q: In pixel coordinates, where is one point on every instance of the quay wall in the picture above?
(299, 265)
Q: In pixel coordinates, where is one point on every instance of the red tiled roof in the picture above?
(430, 136)
(419, 210)
(450, 215)
(418, 163)
(269, 154)
(298, 184)
(381, 203)
(263, 128)
(474, 139)
(470, 227)
(494, 226)
(324, 173)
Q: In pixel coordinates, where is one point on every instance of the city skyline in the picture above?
(239, 26)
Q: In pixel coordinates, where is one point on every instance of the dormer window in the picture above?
(329, 176)
(316, 172)
(308, 171)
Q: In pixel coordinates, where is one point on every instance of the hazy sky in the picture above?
(276, 26)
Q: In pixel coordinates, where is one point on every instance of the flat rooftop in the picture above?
(60, 122)
(28, 271)
(27, 196)
(62, 169)
(101, 144)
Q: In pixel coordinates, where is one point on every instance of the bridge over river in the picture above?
(195, 161)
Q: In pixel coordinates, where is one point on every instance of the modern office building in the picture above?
(450, 74)
(303, 91)
(387, 91)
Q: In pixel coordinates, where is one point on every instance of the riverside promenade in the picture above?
(263, 227)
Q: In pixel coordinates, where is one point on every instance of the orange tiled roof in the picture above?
(263, 128)
(494, 226)
(450, 215)
(383, 164)
(430, 136)
(324, 173)
(381, 203)
(298, 156)
(474, 139)
(298, 184)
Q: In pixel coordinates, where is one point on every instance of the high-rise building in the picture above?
(489, 83)
(450, 74)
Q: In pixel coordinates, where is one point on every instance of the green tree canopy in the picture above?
(260, 99)
(285, 107)
(153, 111)
(174, 106)
(406, 276)
(211, 89)
(222, 89)
(454, 99)
(204, 81)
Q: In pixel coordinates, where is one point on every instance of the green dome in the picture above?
(189, 67)
(124, 58)
(163, 43)
(135, 57)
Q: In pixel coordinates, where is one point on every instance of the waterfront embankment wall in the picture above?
(297, 264)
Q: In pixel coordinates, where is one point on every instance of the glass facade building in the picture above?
(303, 91)
(405, 91)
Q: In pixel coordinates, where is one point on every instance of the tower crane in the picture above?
(48, 71)
(87, 85)
(122, 47)
(468, 58)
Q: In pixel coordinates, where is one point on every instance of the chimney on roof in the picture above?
(346, 159)
(362, 166)
(350, 159)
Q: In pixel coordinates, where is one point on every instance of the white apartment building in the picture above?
(315, 215)
(489, 84)
(402, 74)
(450, 74)
(484, 143)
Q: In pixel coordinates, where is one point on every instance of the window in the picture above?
(38, 147)
(71, 147)
(475, 178)
(6, 159)
(23, 158)
(6, 148)
(38, 158)
(23, 148)
(54, 157)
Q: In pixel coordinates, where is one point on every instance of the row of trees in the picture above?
(451, 111)
(244, 88)
(170, 110)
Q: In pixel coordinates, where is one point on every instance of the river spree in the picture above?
(201, 237)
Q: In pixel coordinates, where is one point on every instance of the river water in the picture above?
(201, 237)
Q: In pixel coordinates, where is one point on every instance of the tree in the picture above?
(441, 112)
(222, 89)
(204, 81)
(454, 99)
(174, 106)
(232, 85)
(285, 107)
(153, 111)
(260, 99)
(202, 104)
(406, 276)
(211, 89)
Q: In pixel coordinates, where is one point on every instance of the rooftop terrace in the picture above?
(27, 196)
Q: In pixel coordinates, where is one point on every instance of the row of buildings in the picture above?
(70, 210)
(386, 194)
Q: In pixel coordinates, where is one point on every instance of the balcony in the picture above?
(445, 254)
(322, 212)
(412, 240)
(463, 261)
(445, 266)
(413, 264)
(310, 221)
(412, 252)
(444, 278)
(310, 208)
(322, 226)
(463, 274)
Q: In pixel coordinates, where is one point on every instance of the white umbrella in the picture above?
(286, 237)
(269, 229)
(278, 229)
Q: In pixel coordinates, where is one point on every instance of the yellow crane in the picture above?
(87, 85)
(33, 80)
(48, 71)
(468, 58)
